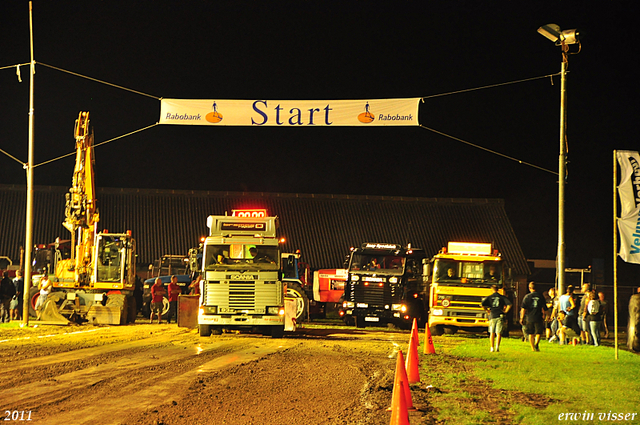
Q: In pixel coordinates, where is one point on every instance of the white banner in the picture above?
(629, 191)
(290, 113)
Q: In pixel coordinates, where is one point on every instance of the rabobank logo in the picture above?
(366, 117)
(214, 116)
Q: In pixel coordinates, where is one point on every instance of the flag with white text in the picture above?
(629, 192)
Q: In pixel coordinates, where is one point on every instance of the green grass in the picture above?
(11, 325)
(576, 379)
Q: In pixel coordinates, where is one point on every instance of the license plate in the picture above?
(371, 319)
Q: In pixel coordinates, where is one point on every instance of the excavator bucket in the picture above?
(49, 313)
(114, 313)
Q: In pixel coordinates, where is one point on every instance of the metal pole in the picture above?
(562, 163)
(615, 251)
(29, 167)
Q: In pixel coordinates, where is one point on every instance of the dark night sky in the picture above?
(336, 50)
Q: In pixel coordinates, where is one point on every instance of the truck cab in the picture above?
(384, 285)
(242, 285)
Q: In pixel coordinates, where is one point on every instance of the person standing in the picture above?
(585, 336)
(195, 286)
(497, 306)
(45, 287)
(7, 292)
(551, 318)
(15, 309)
(567, 303)
(594, 317)
(605, 311)
(174, 292)
(157, 295)
(533, 306)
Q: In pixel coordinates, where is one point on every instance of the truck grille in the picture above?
(466, 301)
(372, 295)
(242, 295)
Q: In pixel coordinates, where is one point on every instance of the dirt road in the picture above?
(162, 374)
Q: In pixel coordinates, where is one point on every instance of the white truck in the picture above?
(242, 287)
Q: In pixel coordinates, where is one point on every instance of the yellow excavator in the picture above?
(96, 283)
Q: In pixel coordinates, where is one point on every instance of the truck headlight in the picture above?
(355, 277)
(393, 280)
(273, 310)
(437, 312)
(348, 304)
(209, 309)
(396, 307)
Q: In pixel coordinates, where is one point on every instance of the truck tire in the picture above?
(277, 331)
(294, 290)
(348, 320)
(34, 293)
(132, 309)
(360, 323)
(436, 330)
(450, 330)
(205, 330)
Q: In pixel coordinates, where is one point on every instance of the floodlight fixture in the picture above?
(551, 31)
(559, 37)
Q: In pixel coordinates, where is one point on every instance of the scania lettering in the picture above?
(384, 285)
(242, 286)
(461, 276)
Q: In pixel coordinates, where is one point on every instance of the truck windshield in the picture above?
(241, 256)
(463, 272)
(390, 264)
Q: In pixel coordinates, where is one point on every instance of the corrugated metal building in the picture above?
(323, 227)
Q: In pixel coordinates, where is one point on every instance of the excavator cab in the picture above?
(112, 252)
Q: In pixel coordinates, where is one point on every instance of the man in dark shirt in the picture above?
(496, 305)
(7, 292)
(533, 305)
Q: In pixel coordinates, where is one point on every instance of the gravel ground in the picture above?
(162, 374)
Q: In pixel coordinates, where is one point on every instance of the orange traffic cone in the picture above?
(401, 381)
(411, 364)
(414, 332)
(428, 343)
(399, 411)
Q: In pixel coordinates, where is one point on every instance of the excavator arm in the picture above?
(81, 213)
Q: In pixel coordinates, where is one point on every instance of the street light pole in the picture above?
(563, 39)
(28, 244)
(562, 173)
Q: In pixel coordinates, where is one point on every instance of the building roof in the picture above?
(323, 227)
